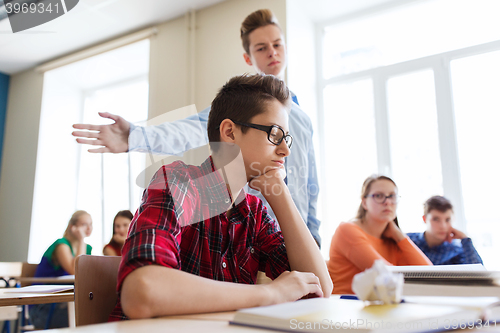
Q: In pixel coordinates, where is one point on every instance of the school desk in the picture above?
(9, 299)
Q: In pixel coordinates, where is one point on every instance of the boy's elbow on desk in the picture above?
(136, 295)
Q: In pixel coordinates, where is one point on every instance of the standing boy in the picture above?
(265, 51)
(441, 242)
(198, 240)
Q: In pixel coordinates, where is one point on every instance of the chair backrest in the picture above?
(28, 271)
(95, 288)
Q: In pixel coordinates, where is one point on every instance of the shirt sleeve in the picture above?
(411, 254)
(155, 233)
(470, 255)
(312, 191)
(274, 259)
(350, 241)
(170, 138)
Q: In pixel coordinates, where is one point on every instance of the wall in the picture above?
(179, 79)
(218, 56)
(18, 164)
(4, 90)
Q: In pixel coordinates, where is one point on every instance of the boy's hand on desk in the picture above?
(113, 137)
(291, 286)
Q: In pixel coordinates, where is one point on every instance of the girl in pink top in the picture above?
(373, 234)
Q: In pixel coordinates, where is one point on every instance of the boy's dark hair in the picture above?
(257, 19)
(242, 98)
(438, 203)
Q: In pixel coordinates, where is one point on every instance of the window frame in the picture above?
(439, 64)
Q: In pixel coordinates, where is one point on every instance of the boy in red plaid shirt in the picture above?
(198, 240)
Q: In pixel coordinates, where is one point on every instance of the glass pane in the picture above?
(350, 153)
(414, 143)
(107, 186)
(408, 32)
(476, 87)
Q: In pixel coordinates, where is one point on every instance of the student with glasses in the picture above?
(198, 241)
(265, 50)
(373, 234)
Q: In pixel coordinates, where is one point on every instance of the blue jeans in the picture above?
(40, 312)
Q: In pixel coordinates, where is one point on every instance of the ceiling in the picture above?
(94, 21)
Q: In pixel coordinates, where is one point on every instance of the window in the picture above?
(432, 84)
(69, 178)
(349, 117)
(414, 144)
(476, 81)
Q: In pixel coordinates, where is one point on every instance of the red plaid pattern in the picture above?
(182, 224)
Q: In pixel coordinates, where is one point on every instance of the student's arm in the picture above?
(302, 250)
(109, 251)
(168, 138)
(411, 254)
(470, 255)
(153, 291)
(351, 242)
(62, 254)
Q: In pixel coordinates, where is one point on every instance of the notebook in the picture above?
(473, 274)
(42, 289)
(333, 314)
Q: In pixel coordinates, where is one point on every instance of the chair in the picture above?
(28, 271)
(95, 288)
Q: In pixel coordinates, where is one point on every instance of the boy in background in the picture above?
(441, 242)
(198, 240)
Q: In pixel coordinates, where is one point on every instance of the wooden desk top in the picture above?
(7, 299)
(165, 324)
(67, 279)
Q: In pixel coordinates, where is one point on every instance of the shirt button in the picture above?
(223, 265)
(227, 200)
(252, 250)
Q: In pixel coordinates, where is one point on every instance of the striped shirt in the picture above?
(183, 223)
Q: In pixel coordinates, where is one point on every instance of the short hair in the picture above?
(242, 98)
(257, 19)
(438, 203)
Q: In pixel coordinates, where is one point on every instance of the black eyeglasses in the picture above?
(381, 197)
(275, 134)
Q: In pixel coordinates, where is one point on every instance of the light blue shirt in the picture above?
(174, 138)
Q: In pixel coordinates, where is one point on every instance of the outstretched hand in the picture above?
(113, 138)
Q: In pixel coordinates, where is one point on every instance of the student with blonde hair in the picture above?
(59, 260)
(374, 234)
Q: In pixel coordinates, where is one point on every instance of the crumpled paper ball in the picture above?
(378, 284)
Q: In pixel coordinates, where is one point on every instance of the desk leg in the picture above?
(71, 314)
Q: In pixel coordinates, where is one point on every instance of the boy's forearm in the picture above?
(154, 291)
(302, 250)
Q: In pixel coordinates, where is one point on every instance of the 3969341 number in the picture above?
(31, 8)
